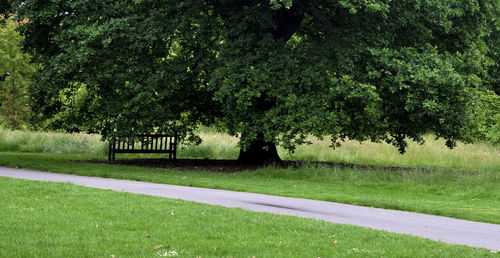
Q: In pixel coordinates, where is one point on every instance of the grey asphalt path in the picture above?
(448, 230)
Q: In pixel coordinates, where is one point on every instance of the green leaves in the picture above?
(423, 88)
(278, 70)
(380, 6)
(277, 4)
(14, 111)
(486, 108)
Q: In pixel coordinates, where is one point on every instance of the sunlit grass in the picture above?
(433, 154)
(447, 190)
(471, 196)
(218, 145)
(41, 219)
(215, 145)
(30, 141)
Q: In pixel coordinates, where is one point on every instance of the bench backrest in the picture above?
(145, 143)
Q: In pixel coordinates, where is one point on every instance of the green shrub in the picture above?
(487, 126)
(14, 110)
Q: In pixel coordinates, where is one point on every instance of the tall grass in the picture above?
(29, 141)
(433, 154)
(215, 145)
(219, 145)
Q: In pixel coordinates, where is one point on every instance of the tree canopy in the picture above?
(14, 111)
(273, 72)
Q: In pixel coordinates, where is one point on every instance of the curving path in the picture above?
(449, 230)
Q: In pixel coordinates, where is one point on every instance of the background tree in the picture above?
(14, 110)
(486, 126)
(493, 42)
(5, 6)
(272, 72)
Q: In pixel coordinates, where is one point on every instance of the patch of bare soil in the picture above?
(232, 166)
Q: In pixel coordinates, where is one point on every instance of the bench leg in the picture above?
(109, 152)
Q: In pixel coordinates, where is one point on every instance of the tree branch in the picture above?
(288, 22)
(318, 14)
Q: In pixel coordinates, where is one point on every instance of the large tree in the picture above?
(271, 71)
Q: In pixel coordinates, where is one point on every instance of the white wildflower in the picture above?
(165, 252)
(356, 250)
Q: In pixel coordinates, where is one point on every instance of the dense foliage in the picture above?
(272, 71)
(493, 42)
(14, 110)
(486, 126)
(4, 8)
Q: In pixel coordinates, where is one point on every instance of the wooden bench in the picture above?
(145, 143)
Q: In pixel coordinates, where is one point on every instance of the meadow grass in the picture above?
(453, 194)
(51, 142)
(434, 154)
(42, 219)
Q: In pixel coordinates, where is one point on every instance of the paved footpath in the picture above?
(438, 228)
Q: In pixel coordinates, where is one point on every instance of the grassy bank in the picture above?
(39, 221)
(477, 157)
(461, 195)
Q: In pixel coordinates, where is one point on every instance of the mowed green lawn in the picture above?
(41, 219)
(472, 196)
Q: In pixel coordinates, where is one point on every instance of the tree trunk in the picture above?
(259, 152)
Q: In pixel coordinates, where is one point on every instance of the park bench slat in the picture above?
(148, 144)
